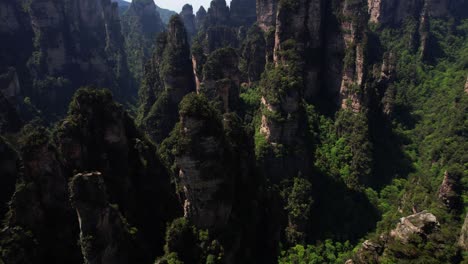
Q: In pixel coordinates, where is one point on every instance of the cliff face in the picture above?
(218, 13)
(200, 17)
(396, 11)
(253, 54)
(141, 23)
(243, 12)
(97, 135)
(104, 236)
(189, 21)
(354, 28)
(305, 28)
(266, 14)
(68, 45)
(202, 163)
(169, 77)
(40, 206)
(221, 79)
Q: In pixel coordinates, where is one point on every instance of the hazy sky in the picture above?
(176, 5)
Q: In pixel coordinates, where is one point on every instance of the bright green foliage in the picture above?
(328, 252)
(298, 206)
(186, 244)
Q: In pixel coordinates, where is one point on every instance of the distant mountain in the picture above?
(165, 14)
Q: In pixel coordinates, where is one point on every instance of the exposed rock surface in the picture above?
(463, 240)
(369, 252)
(169, 76)
(243, 12)
(266, 14)
(40, 207)
(218, 13)
(449, 191)
(466, 86)
(203, 172)
(422, 223)
(200, 17)
(141, 23)
(104, 237)
(221, 79)
(189, 20)
(253, 54)
(396, 11)
(98, 135)
(68, 45)
(354, 27)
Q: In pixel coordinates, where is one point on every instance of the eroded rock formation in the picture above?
(423, 224)
(169, 76)
(203, 165)
(243, 12)
(189, 20)
(266, 14)
(104, 236)
(221, 79)
(449, 191)
(68, 45)
(141, 23)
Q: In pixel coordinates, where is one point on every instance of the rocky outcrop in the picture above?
(369, 252)
(200, 17)
(98, 135)
(68, 45)
(218, 13)
(221, 79)
(353, 25)
(396, 11)
(253, 56)
(304, 27)
(266, 14)
(423, 224)
(40, 205)
(217, 37)
(141, 23)
(203, 168)
(463, 240)
(243, 12)
(104, 237)
(189, 20)
(449, 191)
(169, 77)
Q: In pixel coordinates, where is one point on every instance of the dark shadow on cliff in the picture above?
(340, 213)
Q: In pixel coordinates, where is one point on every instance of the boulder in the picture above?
(423, 223)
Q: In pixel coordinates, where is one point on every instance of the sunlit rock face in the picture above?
(423, 223)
